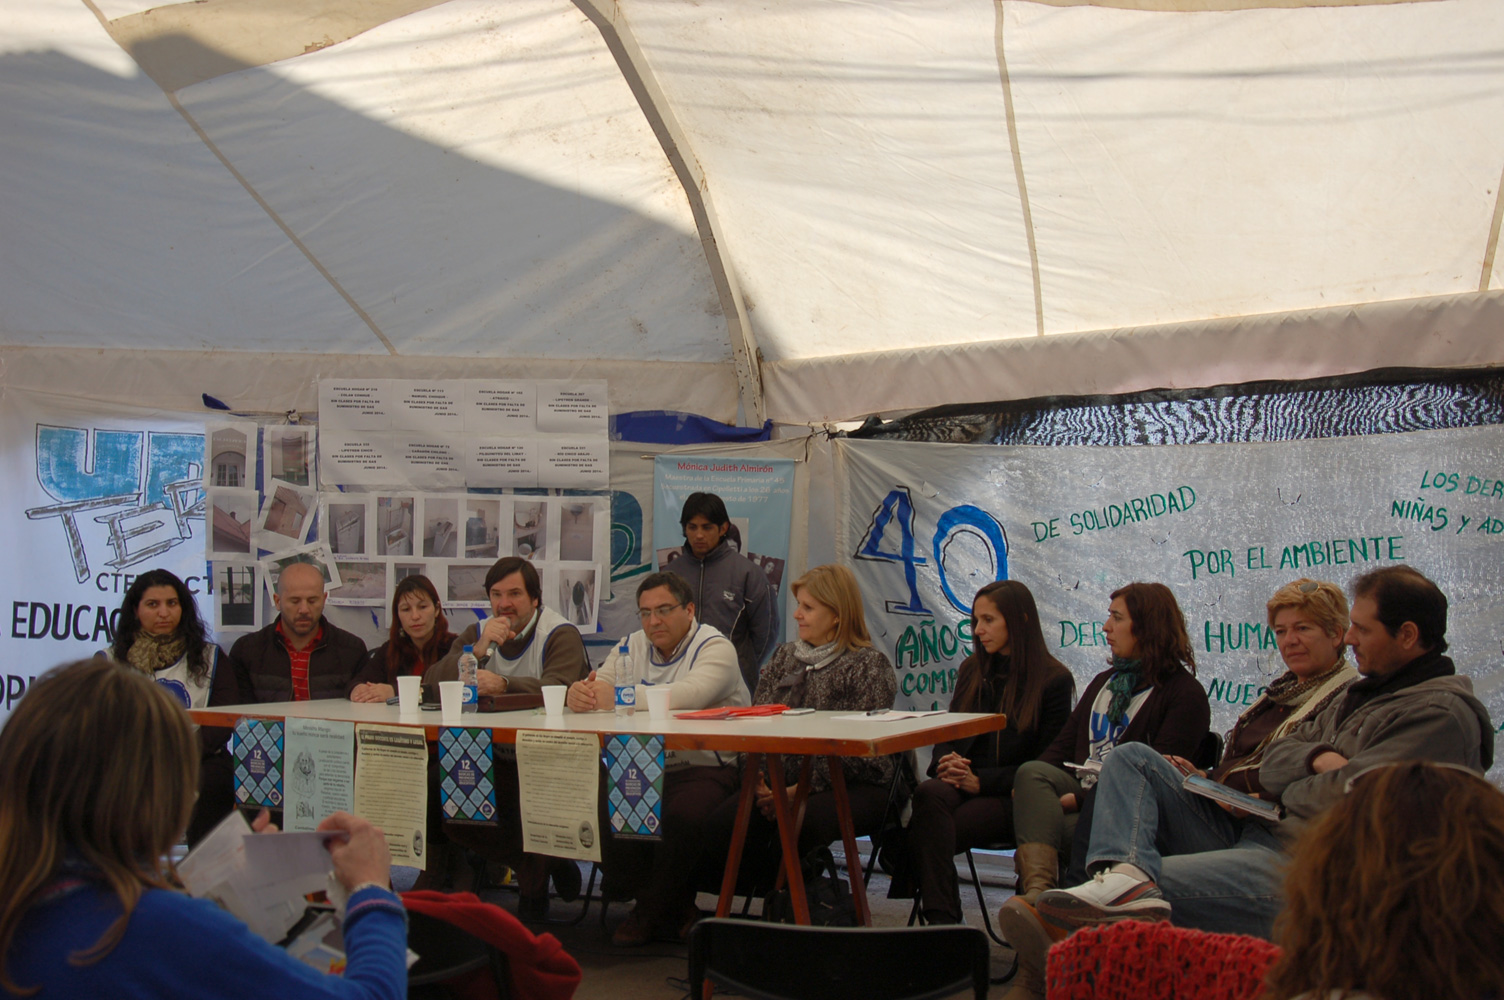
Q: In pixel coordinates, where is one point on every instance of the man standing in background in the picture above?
(730, 591)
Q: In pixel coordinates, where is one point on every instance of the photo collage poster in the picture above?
(269, 505)
(261, 483)
(376, 539)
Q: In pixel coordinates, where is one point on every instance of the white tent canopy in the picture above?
(820, 209)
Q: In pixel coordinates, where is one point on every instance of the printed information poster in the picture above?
(634, 765)
(459, 433)
(320, 773)
(559, 776)
(391, 788)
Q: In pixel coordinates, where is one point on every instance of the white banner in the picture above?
(91, 499)
(925, 525)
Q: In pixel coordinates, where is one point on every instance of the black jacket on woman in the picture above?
(995, 757)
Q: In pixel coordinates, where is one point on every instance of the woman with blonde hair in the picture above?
(831, 666)
(1394, 892)
(98, 783)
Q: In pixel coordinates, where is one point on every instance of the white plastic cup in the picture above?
(409, 694)
(659, 696)
(553, 700)
(451, 700)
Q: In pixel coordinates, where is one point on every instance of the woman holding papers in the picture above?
(832, 666)
(419, 637)
(967, 801)
(97, 786)
(160, 633)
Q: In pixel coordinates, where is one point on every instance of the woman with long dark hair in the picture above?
(159, 632)
(97, 785)
(966, 801)
(418, 638)
(1149, 694)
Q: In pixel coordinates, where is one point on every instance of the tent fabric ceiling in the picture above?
(827, 208)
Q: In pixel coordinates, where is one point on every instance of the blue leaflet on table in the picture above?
(635, 767)
(467, 767)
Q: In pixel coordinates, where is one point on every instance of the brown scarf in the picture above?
(153, 652)
(1290, 690)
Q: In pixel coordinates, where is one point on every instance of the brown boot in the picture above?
(1038, 868)
(1031, 941)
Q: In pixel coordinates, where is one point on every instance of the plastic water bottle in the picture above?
(626, 682)
(469, 669)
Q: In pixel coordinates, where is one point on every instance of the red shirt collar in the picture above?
(318, 636)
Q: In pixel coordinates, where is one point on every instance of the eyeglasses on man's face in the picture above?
(660, 612)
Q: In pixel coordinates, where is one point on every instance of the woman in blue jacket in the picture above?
(97, 786)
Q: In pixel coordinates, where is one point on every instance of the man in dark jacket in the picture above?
(731, 592)
(301, 655)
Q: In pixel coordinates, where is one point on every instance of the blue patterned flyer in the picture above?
(257, 749)
(635, 766)
(467, 775)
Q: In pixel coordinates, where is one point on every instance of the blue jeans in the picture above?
(1218, 872)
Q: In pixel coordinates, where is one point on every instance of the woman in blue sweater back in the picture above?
(98, 784)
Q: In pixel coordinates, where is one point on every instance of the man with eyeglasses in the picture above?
(700, 666)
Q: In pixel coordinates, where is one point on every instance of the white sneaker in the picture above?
(1110, 896)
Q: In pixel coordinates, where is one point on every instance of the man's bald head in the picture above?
(300, 572)
(300, 600)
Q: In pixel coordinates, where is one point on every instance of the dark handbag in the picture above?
(828, 895)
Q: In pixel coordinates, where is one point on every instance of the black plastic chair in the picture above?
(767, 961)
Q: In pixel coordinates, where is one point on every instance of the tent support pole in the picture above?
(611, 21)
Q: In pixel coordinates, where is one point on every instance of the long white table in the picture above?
(763, 740)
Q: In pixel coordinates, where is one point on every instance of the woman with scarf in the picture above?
(966, 801)
(158, 631)
(832, 666)
(1148, 695)
(419, 637)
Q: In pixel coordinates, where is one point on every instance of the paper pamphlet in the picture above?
(559, 776)
(391, 788)
(1260, 808)
(320, 774)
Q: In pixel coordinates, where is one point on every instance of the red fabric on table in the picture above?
(1157, 961)
(541, 968)
(742, 712)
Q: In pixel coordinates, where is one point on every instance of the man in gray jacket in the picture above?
(731, 592)
(1409, 705)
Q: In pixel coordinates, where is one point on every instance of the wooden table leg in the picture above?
(801, 799)
(848, 838)
(751, 775)
(788, 838)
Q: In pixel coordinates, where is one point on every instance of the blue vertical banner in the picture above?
(257, 749)
(634, 765)
(759, 497)
(467, 775)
